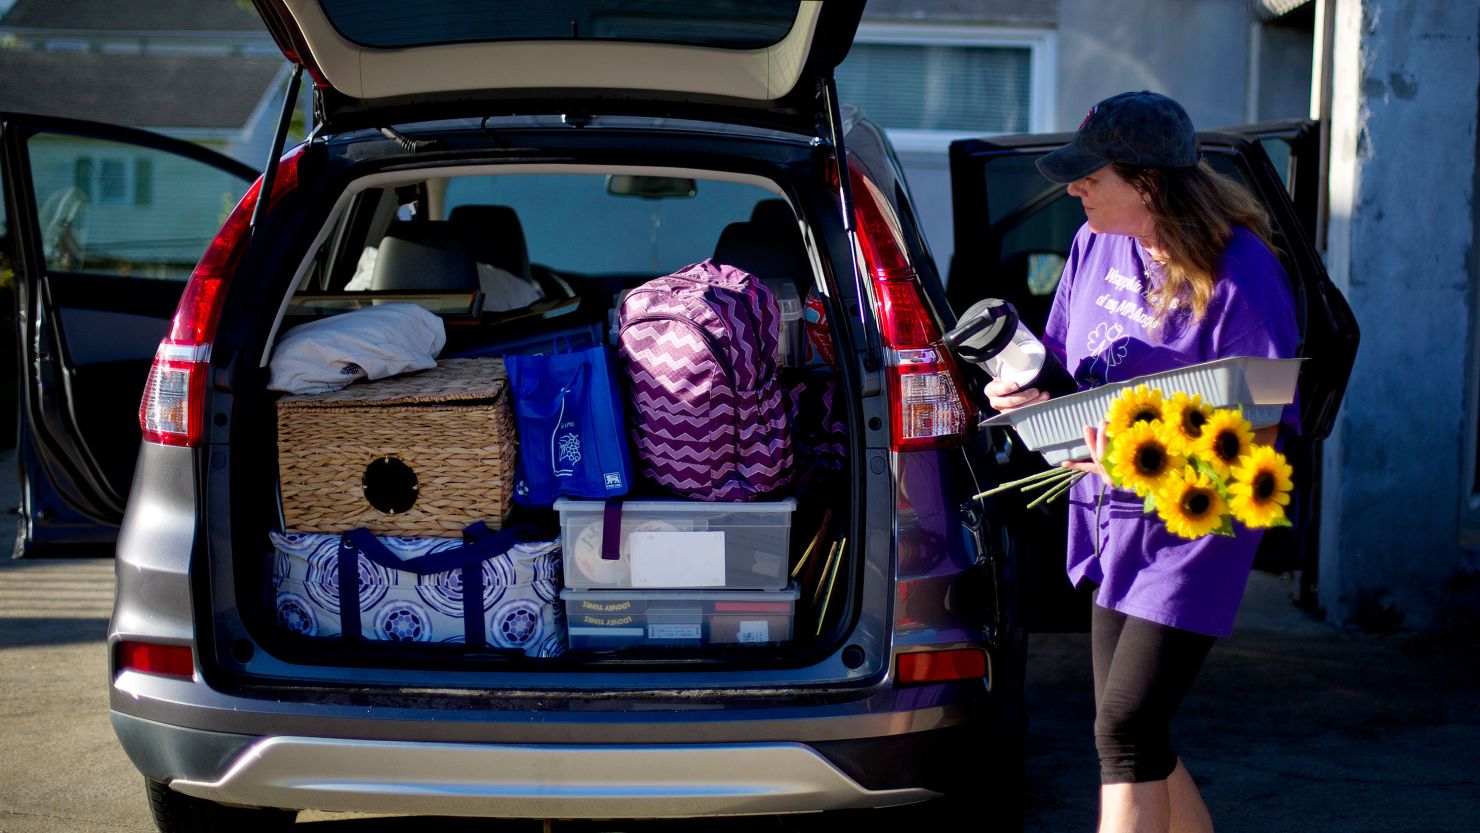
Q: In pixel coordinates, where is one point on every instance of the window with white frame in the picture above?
(928, 85)
(111, 180)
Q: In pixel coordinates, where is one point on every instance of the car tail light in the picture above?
(172, 411)
(926, 399)
(153, 658)
(940, 666)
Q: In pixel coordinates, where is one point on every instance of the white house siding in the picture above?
(164, 238)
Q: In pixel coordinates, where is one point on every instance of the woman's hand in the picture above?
(1095, 439)
(1004, 396)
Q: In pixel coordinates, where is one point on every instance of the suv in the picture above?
(582, 151)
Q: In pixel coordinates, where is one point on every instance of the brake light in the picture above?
(152, 658)
(172, 411)
(926, 399)
(940, 666)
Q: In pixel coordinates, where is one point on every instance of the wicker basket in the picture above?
(419, 455)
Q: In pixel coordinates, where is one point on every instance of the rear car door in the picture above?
(1012, 230)
(102, 226)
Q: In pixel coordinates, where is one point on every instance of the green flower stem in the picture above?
(1063, 487)
(1049, 482)
(1046, 474)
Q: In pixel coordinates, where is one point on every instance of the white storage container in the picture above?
(679, 544)
(1261, 387)
(609, 620)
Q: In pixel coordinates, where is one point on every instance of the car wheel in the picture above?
(179, 813)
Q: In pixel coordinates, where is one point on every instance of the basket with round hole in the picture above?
(424, 454)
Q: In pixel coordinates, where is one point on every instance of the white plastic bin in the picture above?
(610, 620)
(679, 544)
(1262, 387)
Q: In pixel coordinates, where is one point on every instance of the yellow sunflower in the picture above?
(1141, 458)
(1185, 417)
(1190, 504)
(1226, 437)
(1261, 486)
(1133, 405)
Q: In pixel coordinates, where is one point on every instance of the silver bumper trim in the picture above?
(538, 781)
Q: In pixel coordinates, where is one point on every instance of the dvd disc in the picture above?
(586, 552)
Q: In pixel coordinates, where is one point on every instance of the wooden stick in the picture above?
(816, 539)
(822, 617)
(822, 575)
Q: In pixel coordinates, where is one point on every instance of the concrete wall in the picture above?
(1195, 51)
(1285, 48)
(1401, 246)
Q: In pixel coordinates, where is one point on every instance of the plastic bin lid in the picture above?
(676, 505)
(791, 593)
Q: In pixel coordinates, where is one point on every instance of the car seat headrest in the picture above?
(424, 254)
(769, 253)
(495, 236)
(773, 214)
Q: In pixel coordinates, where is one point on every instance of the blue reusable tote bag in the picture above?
(572, 430)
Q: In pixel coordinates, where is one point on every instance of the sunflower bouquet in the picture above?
(1197, 467)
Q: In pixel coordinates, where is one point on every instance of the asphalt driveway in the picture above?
(1292, 726)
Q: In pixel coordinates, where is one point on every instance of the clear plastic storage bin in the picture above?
(609, 620)
(679, 544)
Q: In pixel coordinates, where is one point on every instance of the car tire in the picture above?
(179, 813)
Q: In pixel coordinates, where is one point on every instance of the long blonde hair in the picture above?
(1195, 210)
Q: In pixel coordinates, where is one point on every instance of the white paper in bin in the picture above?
(1262, 387)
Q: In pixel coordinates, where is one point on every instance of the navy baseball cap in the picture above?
(1138, 128)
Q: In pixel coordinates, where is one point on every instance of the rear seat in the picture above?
(496, 238)
(427, 255)
(768, 246)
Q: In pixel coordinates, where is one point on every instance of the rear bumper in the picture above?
(538, 781)
(628, 764)
(542, 780)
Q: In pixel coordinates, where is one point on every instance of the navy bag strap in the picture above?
(611, 530)
(481, 545)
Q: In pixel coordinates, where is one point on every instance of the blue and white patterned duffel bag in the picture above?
(413, 589)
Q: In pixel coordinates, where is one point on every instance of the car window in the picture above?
(1033, 221)
(113, 208)
(7, 348)
(716, 23)
(573, 224)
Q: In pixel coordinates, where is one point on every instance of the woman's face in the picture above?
(1112, 205)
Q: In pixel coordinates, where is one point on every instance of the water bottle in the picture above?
(990, 336)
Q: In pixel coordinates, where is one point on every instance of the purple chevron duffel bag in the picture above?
(709, 417)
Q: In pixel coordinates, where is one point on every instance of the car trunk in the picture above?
(557, 236)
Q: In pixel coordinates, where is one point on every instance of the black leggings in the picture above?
(1142, 670)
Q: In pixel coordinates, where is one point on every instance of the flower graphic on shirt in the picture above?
(1108, 341)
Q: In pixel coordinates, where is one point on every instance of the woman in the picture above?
(1172, 267)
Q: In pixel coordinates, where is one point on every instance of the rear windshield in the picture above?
(575, 223)
(730, 24)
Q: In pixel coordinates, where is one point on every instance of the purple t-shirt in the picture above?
(1098, 327)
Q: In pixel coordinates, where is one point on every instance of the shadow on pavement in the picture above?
(17, 632)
